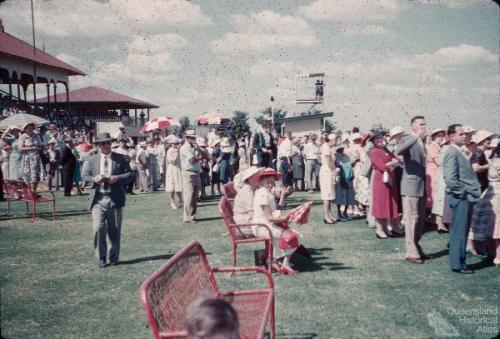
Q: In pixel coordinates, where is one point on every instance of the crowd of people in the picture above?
(399, 181)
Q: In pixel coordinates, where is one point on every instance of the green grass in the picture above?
(356, 286)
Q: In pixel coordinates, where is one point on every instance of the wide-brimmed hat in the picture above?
(171, 139)
(437, 130)
(494, 143)
(52, 141)
(396, 130)
(268, 172)
(190, 133)
(27, 124)
(103, 137)
(480, 136)
(377, 134)
(201, 142)
(469, 129)
(356, 136)
(365, 138)
(250, 172)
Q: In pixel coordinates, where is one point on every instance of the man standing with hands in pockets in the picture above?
(109, 173)
(190, 171)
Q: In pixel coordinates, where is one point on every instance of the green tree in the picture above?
(279, 113)
(329, 126)
(185, 123)
(239, 126)
(311, 111)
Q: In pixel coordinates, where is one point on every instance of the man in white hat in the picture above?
(190, 172)
(108, 173)
(141, 164)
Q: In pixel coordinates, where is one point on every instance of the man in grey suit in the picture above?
(108, 173)
(412, 149)
(462, 191)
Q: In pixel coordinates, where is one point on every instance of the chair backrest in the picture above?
(27, 194)
(167, 293)
(11, 190)
(229, 191)
(226, 212)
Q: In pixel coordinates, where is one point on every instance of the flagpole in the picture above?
(34, 55)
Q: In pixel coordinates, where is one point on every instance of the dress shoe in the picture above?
(102, 263)
(464, 271)
(326, 221)
(415, 260)
(381, 236)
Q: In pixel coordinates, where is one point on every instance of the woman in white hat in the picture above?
(433, 149)
(11, 138)
(328, 177)
(173, 179)
(361, 186)
(54, 157)
(243, 201)
(30, 145)
(265, 212)
(482, 140)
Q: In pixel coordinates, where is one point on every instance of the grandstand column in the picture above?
(48, 97)
(55, 98)
(10, 89)
(67, 97)
(135, 118)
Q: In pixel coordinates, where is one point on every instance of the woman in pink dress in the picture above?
(433, 149)
(384, 188)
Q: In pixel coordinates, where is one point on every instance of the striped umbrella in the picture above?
(214, 118)
(160, 123)
(300, 214)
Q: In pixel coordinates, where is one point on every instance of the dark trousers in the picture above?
(68, 181)
(264, 159)
(462, 213)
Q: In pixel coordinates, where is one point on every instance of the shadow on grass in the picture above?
(150, 258)
(439, 254)
(208, 219)
(486, 262)
(315, 263)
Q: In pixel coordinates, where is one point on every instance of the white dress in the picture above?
(265, 198)
(326, 176)
(440, 204)
(173, 180)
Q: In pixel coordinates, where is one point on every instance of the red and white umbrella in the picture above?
(160, 123)
(214, 118)
(300, 214)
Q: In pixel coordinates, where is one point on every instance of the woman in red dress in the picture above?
(385, 188)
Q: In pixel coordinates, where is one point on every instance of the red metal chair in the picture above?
(229, 191)
(29, 198)
(238, 237)
(12, 192)
(167, 294)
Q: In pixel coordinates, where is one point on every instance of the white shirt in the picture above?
(310, 151)
(103, 159)
(285, 149)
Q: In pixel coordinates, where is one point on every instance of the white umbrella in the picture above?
(20, 119)
(160, 123)
(214, 118)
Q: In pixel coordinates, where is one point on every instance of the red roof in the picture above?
(95, 94)
(13, 46)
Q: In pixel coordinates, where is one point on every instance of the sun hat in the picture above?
(201, 142)
(268, 172)
(27, 124)
(103, 137)
(377, 134)
(356, 136)
(469, 129)
(250, 172)
(480, 136)
(52, 141)
(171, 139)
(396, 130)
(494, 143)
(437, 130)
(190, 134)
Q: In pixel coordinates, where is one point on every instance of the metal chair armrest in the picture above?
(253, 224)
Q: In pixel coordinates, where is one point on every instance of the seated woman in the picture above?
(243, 201)
(264, 212)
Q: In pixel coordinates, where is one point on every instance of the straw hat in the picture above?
(480, 136)
(103, 137)
(396, 130)
(469, 129)
(172, 139)
(250, 172)
(356, 136)
(190, 133)
(437, 130)
(494, 143)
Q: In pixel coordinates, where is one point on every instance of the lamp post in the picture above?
(272, 111)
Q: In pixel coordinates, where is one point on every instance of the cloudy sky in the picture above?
(385, 60)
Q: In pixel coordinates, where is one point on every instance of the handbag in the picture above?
(215, 168)
(386, 179)
(288, 239)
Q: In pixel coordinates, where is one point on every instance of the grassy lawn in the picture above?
(356, 286)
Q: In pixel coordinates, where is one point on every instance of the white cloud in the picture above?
(460, 4)
(265, 31)
(366, 30)
(92, 18)
(465, 54)
(156, 43)
(69, 59)
(352, 10)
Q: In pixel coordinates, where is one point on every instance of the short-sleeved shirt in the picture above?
(187, 152)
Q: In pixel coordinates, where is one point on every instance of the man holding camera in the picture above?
(109, 173)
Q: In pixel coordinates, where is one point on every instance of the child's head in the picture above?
(212, 318)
